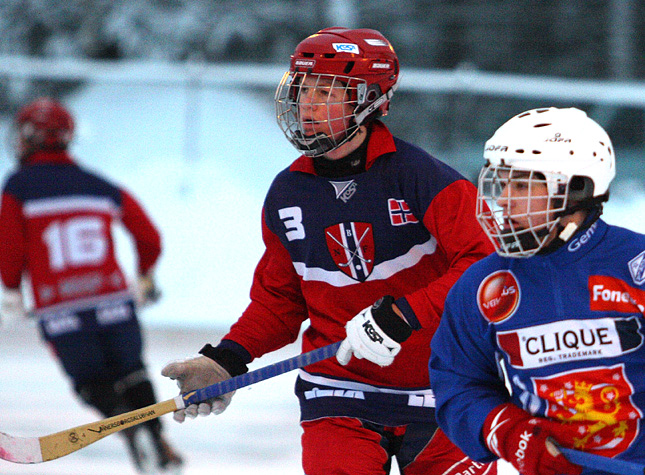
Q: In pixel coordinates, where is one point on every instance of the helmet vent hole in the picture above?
(348, 67)
(524, 115)
(519, 150)
(537, 152)
(329, 55)
(308, 55)
(570, 152)
(541, 125)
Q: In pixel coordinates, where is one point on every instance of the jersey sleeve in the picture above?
(146, 237)
(13, 241)
(451, 219)
(464, 374)
(277, 309)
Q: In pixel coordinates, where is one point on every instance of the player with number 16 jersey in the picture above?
(56, 230)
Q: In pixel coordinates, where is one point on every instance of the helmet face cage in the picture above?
(519, 209)
(317, 112)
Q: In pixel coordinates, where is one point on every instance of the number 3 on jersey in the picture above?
(292, 219)
(75, 242)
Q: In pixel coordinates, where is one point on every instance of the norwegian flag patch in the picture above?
(400, 213)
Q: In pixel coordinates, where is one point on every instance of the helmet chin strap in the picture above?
(378, 102)
(568, 231)
(593, 206)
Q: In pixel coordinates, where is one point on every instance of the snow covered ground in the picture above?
(202, 175)
(258, 434)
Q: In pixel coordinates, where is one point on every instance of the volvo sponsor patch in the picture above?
(570, 340)
(498, 296)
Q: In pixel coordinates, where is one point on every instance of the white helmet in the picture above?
(563, 148)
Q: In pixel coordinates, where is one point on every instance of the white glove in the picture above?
(12, 308)
(366, 339)
(147, 291)
(196, 373)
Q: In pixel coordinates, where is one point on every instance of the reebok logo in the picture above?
(525, 437)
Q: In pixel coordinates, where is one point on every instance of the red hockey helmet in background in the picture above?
(361, 60)
(43, 124)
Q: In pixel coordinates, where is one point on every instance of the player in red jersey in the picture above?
(55, 230)
(359, 216)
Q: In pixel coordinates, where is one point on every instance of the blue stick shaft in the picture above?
(252, 377)
(605, 464)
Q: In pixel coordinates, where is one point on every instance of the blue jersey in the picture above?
(563, 331)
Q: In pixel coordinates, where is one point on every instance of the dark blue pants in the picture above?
(98, 352)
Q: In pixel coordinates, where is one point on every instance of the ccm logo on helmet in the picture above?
(498, 296)
(346, 48)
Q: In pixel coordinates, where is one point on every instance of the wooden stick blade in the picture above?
(54, 446)
(50, 447)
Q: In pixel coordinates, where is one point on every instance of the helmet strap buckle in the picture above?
(568, 231)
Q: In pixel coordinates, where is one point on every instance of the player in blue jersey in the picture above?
(542, 343)
(359, 216)
(56, 230)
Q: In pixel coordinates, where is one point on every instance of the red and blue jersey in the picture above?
(404, 227)
(55, 226)
(565, 331)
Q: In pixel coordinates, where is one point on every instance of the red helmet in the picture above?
(44, 124)
(362, 60)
